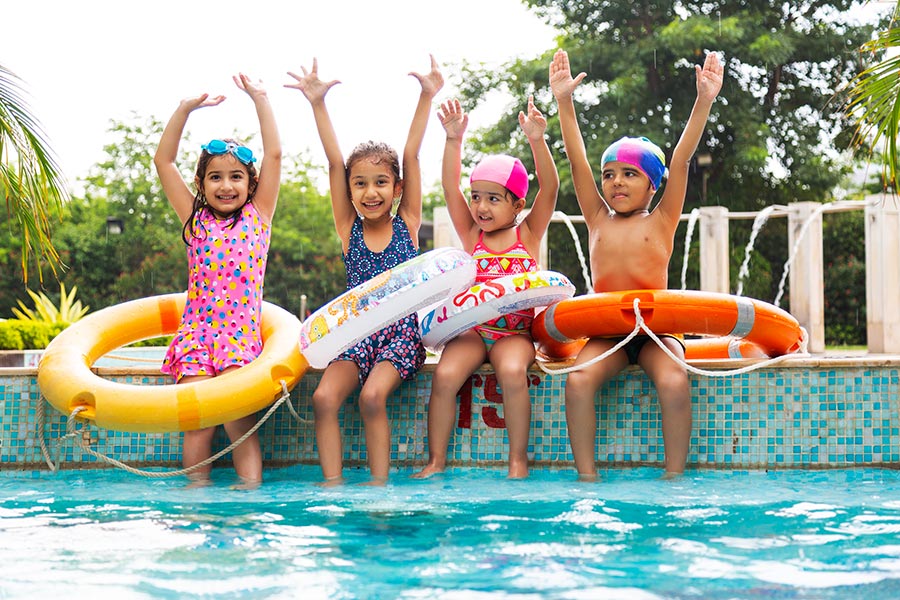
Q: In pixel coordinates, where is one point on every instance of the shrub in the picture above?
(10, 338)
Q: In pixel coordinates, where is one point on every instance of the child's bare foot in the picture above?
(518, 469)
(198, 482)
(672, 475)
(430, 470)
(247, 484)
(331, 481)
(589, 477)
(376, 482)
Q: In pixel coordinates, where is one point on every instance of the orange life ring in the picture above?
(66, 380)
(743, 327)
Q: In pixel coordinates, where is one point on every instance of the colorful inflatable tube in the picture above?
(740, 327)
(489, 300)
(66, 380)
(396, 293)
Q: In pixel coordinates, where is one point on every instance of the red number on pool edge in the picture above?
(488, 413)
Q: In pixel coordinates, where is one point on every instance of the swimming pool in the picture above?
(468, 534)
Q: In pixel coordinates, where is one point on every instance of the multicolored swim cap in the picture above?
(505, 170)
(638, 152)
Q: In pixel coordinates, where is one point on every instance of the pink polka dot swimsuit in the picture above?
(226, 268)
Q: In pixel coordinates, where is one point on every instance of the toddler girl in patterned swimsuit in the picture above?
(226, 226)
(488, 229)
(373, 240)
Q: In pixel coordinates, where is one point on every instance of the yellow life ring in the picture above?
(66, 380)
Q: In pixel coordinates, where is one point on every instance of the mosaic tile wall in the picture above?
(799, 416)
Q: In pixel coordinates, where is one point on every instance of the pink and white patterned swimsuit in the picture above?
(490, 264)
(220, 324)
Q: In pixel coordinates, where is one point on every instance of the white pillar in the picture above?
(714, 250)
(444, 234)
(806, 276)
(882, 275)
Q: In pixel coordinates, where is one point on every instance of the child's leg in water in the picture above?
(247, 457)
(196, 445)
(674, 393)
(511, 357)
(459, 359)
(381, 383)
(338, 381)
(581, 411)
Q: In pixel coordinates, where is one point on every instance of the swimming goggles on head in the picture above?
(242, 153)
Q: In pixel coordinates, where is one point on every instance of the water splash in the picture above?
(787, 265)
(584, 270)
(692, 222)
(758, 223)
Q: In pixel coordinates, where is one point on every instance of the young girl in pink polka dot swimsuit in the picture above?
(226, 226)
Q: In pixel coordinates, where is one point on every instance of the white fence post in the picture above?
(882, 275)
(714, 249)
(807, 275)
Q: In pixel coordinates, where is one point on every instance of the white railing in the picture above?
(804, 270)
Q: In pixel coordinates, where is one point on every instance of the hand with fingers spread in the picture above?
(309, 83)
(454, 119)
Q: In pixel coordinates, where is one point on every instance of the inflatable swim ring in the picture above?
(66, 380)
(489, 300)
(407, 288)
(767, 330)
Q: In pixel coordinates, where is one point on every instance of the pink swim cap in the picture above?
(505, 170)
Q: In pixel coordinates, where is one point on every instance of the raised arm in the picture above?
(454, 121)
(709, 83)
(410, 208)
(315, 89)
(563, 86)
(534, 226)
(266, 197)
(176, 189)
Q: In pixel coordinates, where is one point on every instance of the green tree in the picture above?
(148, 257)
(776, 136)
(32, 183)
(305, 254)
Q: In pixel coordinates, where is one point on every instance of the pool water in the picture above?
(467, 534)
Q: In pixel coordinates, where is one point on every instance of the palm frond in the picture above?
(32, 182)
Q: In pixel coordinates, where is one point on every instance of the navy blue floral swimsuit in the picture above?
(400, 342)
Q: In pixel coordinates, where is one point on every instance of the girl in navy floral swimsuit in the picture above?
(373, 240)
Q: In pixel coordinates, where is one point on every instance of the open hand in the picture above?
(309, 83)
(561, 82)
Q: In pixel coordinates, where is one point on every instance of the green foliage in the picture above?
(775, 136)
(68, 311)
(10, 337)
(149, 257)
(16, 334)
(32, 183)
(874, 101)
(305, 254)
(152, 342)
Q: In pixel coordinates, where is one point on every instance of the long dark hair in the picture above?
(200, 199)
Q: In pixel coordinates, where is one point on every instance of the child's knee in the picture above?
(325, 402)
(371, 402)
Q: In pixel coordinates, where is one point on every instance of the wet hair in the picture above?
(200, 202)
(377, 153)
